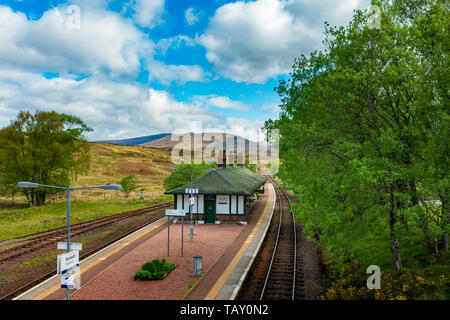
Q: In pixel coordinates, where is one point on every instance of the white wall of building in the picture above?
(199, 203)
(222, 204)
(241, 205)
(233, 204)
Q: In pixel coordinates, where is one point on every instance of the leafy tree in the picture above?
(46, 148)
(129, 184)
(178, 178)
(364, 130)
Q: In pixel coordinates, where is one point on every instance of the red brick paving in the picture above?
(116, 281)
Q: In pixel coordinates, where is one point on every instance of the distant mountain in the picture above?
(136, 141)
(228, 139)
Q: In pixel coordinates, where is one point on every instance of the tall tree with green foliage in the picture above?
(129, 184)
(364, 131)
(46, 148)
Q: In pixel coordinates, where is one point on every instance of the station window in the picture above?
(223, 200)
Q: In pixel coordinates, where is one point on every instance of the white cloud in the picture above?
(107, 106)
(109, 49)
(174, 42)
(115, 110)
(178, 73)
(272, 108)
(221, 102)
(246, 128)
(253, 41)
(191, 16)
(147, 13)
(105, 43)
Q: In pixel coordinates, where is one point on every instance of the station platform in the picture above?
(228, 251)
(224, 280)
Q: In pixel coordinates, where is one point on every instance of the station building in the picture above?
(222, 194)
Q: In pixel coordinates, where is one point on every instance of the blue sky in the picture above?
(136, 67)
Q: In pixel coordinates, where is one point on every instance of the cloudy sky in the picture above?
(131, 68)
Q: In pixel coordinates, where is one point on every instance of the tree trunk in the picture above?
(423, 222)
(394, 242)
(446, 218)
(445, 241)
(429, 240)
(39, 198)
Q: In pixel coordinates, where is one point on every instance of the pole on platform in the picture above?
(168, 236)
(68, 230)
(182, 224)
(190, 211)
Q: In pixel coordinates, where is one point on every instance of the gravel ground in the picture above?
(311, 265)
(117, 282)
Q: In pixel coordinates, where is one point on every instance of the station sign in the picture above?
(175, 213)
(67, 261)
(71, 278)
(73, 246)
(68, 265)
(191, 191)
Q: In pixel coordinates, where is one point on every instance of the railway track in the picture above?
(16, 292)
(29, 243)
(277, 272)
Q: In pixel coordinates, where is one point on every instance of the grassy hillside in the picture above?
(109, 164)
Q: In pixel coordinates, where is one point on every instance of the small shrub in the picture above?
(156, 268)
(159, 274)
(142, 275)
(150, 267)
(167, 266)
(405, 285)
(158, 264)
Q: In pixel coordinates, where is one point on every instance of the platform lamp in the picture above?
(190, 193)
(24, 184)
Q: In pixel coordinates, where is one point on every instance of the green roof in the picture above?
(231, 180)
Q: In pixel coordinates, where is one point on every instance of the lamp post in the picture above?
(190, 192)
(68, 189)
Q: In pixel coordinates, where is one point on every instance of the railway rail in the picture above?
(16, 292)
(35, 241)
(277, 272)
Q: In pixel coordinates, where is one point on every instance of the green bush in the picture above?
(154, 269)
(167, 266)
(158, 264)
(142, 275)
(405, 285)
(150, 267)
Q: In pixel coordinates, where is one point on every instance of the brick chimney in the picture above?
(231, 158)
(224, 160)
